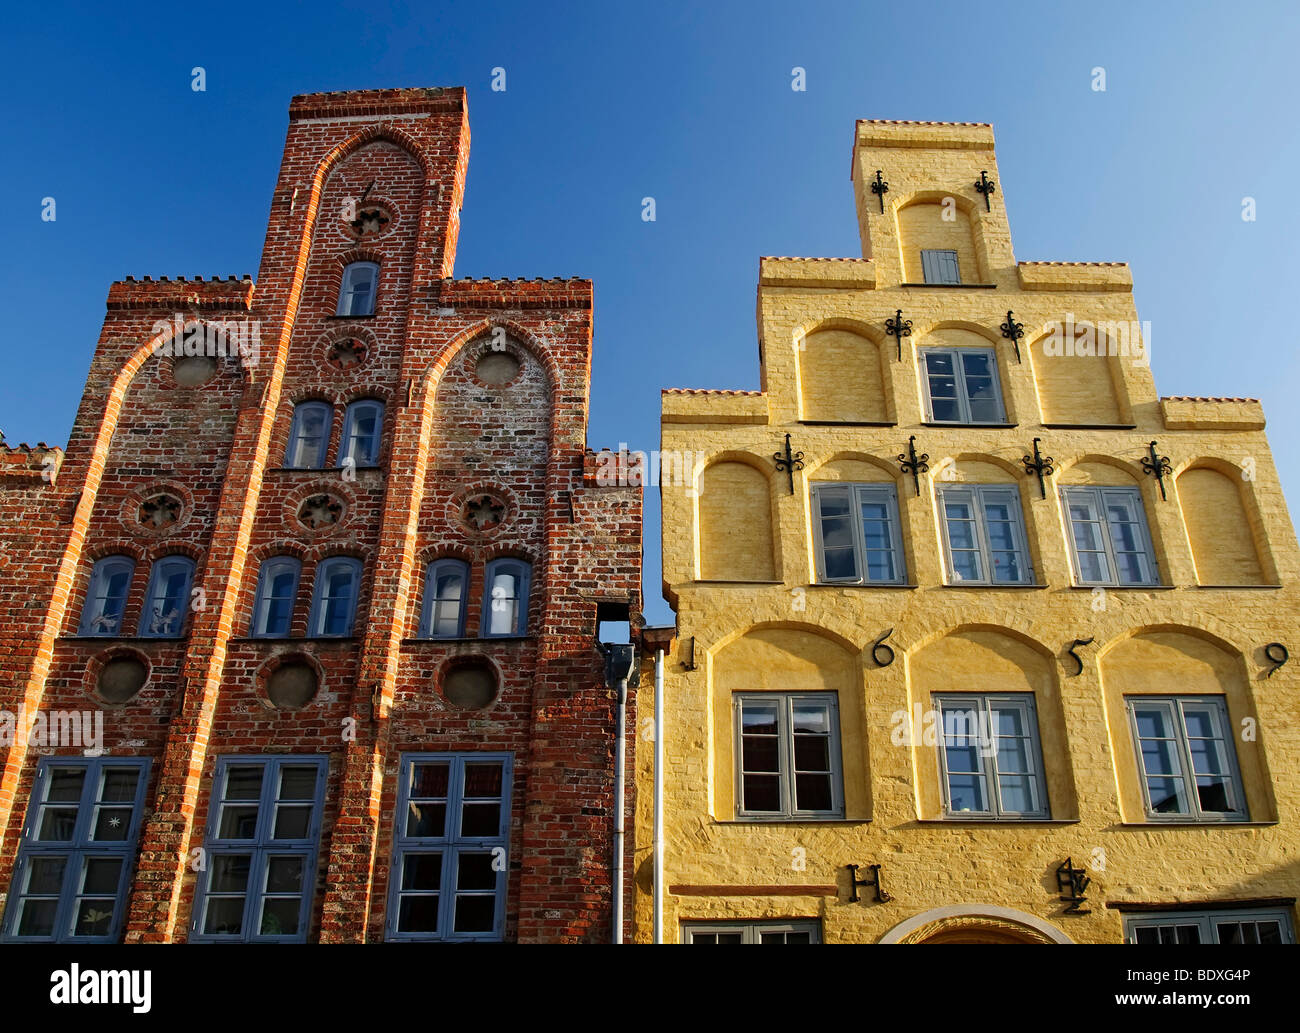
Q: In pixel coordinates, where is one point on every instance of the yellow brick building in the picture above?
(969, 677)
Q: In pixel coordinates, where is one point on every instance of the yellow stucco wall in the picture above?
(771, 627)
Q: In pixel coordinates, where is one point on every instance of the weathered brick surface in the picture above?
(220, 448)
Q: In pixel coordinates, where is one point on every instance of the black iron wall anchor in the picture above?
(910, 462)
(1157, 466)
(689, 663)
(1013, 332)
(1281, 657)
(1077, 658)
(790, 462)
(880, 188)
(1072, 881)
(898, 328)
(1039, 465)
(985, 186)
(879, 647)
(854, 882)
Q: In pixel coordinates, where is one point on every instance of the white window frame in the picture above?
(786, 702)
(976, 495)
(152, 600)
(985, 704)
(857, 495)
(1097, 498)
(92, 609)
(319, 602)
(752, 932)
(431, 600)
(351, 439)
(261, 600)
(1207, 922)
(963, 394)
(351, 299)
(1175, 707)
(291, 457)
(522, 573)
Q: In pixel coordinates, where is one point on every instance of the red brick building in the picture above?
(325, 574)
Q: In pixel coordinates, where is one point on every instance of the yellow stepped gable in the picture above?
(852, 617)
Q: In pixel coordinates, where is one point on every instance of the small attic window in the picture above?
(940, 266)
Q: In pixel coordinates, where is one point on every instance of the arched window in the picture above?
(334, 600)
(357, 292)
(168, 597)
(309, 436)
(277, 588)
(362, 426)
(106, 597)
(505, 599)
(445, 593)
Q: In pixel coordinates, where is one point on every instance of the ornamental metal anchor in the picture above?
(1013, 332)
(880, 188)
(1072, 881)
(910, 462)
(854, 882)
(985, 186)
(898, 327)
(1157, 466)
(1040, 466)
(790, 462)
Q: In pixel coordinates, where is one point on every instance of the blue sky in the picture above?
(606, 104)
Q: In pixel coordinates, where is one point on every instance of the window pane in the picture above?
(418, 914)
(45, 874)
(111, 823)
(238, 821)
(422, 872)
(243, 782)
(475, 913)
(424, 820)
(280, 916)
(225, 916)
(762, 793)
(37, 918)
(297, 782)
(813, 792)
(229, 872)
(284, 874)
(429, 780)
(65, 784)
(57, 824)
(292, 822)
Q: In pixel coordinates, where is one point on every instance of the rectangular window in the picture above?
(451, 847)
(78, 849)
(1109, 539)
(940, 267)
(788, 746)
(984, 535)
(857, 535)
(262, 839)
(804, 931)
(990, 757)
(961, 385)
(1187, 760)
(1248, 925)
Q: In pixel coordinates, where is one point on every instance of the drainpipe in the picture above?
(659, 799)
(618, 668)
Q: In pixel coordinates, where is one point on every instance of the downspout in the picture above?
(619, 660)
(659, 800)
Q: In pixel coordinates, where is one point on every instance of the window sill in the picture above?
(973, 822)
(133, 639)
(1020, 588)
(1124, 588)
(462, 641)
(856, 584)
(1090, 426)
(1226, 823)
(273, 640)
(323, 470)
(958, 286)
(982, 426)
(702, 581)
(791, 821)
(1238, 588)
(848, 423)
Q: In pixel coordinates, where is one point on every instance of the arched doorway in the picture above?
(974, 923)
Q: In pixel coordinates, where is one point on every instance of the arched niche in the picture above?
(989, 661)
(735, 540)
(788, 659)
(841, 378)
(1078, 379)
(928, 225)
(1219, 530)
(1174, 661)
(974, 923)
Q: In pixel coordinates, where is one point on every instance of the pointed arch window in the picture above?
(309, 436)
(363, 425)
(168, 597)
(446, 591)
(334, 600)
(505, 598)
(357, 291)
(110, 580)
(277, 588)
